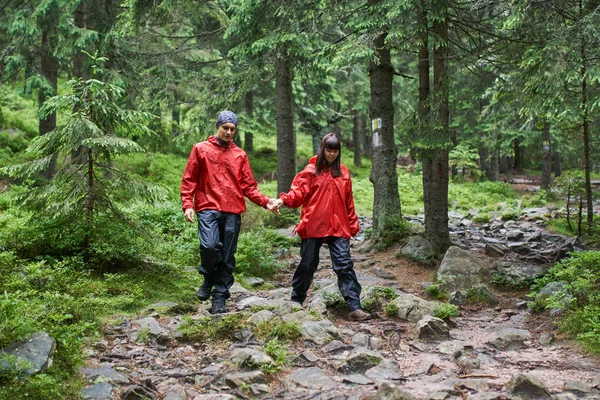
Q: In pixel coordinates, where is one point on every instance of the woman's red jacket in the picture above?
(217, 178)
(327, 203)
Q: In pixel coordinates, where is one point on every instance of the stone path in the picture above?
(486, 353)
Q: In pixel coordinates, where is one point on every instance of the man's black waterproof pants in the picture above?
(218, 233)
(339, 249)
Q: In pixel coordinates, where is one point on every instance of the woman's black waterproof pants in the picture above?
(339, 249)
(218, 233)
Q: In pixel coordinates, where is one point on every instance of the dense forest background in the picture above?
(437, 102)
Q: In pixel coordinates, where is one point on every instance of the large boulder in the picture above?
(461, 269)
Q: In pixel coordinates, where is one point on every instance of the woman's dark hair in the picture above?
(330, 142)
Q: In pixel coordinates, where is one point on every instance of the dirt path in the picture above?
(466, 366)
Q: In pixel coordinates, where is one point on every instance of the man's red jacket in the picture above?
(217, 178)
(327, 203)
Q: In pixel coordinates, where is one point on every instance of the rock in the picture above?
(36, 353)
(458, 298)
(495, 250)
(510, 339)
(319, 332)
(241, 379)
(104, 373)
(577, 387)
(388, 391)
(432, 329)
(356, 379)
(386, 370)
(413, 308)
(312, 378)
(360, 362)
(528, 387)
(99, 391)
(460, 270)
(249, 357)
(519, 274)
(418, 248)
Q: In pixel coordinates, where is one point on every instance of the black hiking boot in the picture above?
(218, 306)
(204, 291)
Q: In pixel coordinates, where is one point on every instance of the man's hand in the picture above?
(190, 214)
(273, 205)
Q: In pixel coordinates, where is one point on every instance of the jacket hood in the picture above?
(214, 140)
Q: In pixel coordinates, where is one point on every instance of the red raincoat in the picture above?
(217, 178)
(327, 203)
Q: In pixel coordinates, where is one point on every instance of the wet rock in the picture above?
(528, 387)
(36, 353)
(261, 317)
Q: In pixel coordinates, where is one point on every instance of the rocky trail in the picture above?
(500, 351)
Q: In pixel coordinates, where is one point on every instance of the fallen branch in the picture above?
(478, 376)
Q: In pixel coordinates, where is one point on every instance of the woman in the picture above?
(324, 190)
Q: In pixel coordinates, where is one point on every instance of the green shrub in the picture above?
(446, 311)
(254, 255)
(211, 329)
(437, 291)
(581, 315)
(391, 309)
(280, 330)
(274, 349)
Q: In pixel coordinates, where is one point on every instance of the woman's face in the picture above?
(331, 155)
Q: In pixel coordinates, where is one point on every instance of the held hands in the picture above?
(189, 214)
(273, 205)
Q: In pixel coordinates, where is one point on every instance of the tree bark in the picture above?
(248, 134)
(356, 137)
(49, 69)
(386, 204)
(435, 164)
(546, 158)
(175, 114)
(286, 138)
(517, 165)
(557, 164)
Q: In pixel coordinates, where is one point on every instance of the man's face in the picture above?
(226, 131)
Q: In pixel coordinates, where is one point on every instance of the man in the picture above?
(216, 179)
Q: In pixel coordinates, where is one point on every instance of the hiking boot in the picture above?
(218, 307)
(204, 291)
(358, 315)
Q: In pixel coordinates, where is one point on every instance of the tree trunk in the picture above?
(494, 174)
(586, 126)
(547, 159)
(435, 165)
(248, 134)
(356, 137)
(386, 204)
(366, 136)
(286, 138)
(49, 69)
(517, 165)
(79, 18)
(557, 164)
(175, 114)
